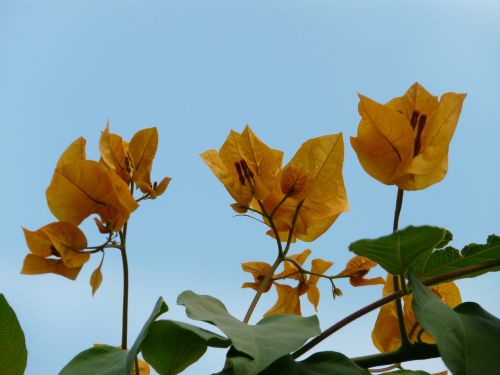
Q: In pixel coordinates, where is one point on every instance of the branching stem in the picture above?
(281, 256)
(391, 297)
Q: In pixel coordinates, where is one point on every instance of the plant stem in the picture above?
(391, 297)
(403, 354)
(281, 255)
(397, 211)
(262, 287)
(396, 279)
(123, 252)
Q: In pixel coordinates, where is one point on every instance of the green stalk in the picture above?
(396, 279)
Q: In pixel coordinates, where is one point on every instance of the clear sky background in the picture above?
(196, 69)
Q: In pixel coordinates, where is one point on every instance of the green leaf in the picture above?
(160, 308)
(450, 259)
(170, 346)
(13, 354)
(406, 372)
(270, 339)
(318, 364)
(108, 360)
(100, 360)
(468, 338)
(397, 251)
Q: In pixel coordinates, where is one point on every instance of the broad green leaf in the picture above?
(100, 360)
(108, 360)
(450, 259)
(397, 251)
(406, 372)
(160, 308)
(170, 346)
(468, 338)
(13, 354)
(318, 364)
(270, 339)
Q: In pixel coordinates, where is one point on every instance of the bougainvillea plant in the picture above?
(404, 143)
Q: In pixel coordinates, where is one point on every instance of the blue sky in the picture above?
(196, 69)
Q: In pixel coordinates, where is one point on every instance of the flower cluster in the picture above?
(82, 187)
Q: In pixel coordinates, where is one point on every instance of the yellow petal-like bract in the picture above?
(356, 269)
(246, 166)
(319, 161)
(385, 334)
(79, 189)
(252, 173)
(55, 248)
(405, 142)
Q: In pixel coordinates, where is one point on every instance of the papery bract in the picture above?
(386, 336)
(259, 270)
(55, 248)
(405, 142)
(133, 161)
(315, 176)
(246, 166)
(79, 189)
(356, 269)
(82, 187)
(289, 297)
(114, 153)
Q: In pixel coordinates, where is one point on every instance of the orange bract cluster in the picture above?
(386, 336)
(80, 188)
(405, 141)
(289, 297)
(253, 174)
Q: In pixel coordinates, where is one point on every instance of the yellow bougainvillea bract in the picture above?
(252, 174)
(386, 336)
(55, 248)
(405, 141)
